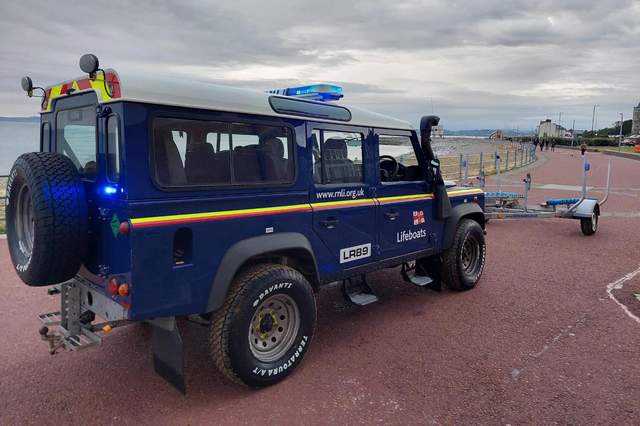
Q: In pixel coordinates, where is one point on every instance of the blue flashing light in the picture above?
(316, 92)
(109, 189)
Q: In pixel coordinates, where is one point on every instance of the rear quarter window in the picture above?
(76, 138)
(113, 148)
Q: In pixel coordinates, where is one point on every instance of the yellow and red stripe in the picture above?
(329, 205)
(84, 85)
(146, 222)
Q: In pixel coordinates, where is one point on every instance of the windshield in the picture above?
(76, 138)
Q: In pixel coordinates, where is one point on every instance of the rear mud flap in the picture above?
(168, 356)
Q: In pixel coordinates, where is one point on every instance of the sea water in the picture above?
(16, 138)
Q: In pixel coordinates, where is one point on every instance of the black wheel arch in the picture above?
(471, 211)
(289, 248)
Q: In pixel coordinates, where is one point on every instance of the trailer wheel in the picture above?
(46, 218)
(589, 225)
(463, 262)
(263, 330)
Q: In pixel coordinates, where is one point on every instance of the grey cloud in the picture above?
(503, 56)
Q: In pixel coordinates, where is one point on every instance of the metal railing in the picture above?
(465, 167)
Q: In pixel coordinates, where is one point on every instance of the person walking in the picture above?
(553, 145)
(546, 145)
(583, 147)
(541, 145)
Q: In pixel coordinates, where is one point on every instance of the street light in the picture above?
(621, 123)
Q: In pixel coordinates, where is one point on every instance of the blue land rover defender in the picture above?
(155, 199)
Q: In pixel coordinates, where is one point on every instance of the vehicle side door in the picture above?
(341, 195)
(404, 217)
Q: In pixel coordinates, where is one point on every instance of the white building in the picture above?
(635, 125)
(548, 129)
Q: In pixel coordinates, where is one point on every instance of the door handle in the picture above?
(392, 215)
(329, 223)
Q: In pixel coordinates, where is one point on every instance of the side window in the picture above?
(76, 138)
(113, 149)
(202, 153)
(45, 137)
(261, 153)
(337, 157)
(397, 159)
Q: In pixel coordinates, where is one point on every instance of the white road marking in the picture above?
(565, 332)
(563, 187)
(617, 285)
(626, 215)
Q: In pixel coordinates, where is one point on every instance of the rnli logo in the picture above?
(418, 217)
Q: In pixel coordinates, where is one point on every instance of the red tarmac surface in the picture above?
(539, 341)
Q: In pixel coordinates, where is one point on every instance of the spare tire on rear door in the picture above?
(46, 218)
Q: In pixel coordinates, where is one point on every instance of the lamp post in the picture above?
(621, 123)
(559, 124)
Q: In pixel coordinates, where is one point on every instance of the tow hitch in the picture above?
(71, 327)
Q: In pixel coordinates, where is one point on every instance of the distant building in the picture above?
(548, 129)
(437, 132)
(635, 125)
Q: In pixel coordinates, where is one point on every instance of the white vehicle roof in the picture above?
(198, 94)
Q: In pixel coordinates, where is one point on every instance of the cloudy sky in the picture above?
(481, 63)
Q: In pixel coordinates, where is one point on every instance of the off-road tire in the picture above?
(589, 225)
(453, 272)
(46, 197)
(229, 343)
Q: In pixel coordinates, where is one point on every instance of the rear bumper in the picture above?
(92, 298)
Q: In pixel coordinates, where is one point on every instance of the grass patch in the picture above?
(626, 149)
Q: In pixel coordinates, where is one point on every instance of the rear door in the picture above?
(342, 194)
(404, 215)
(76, 136)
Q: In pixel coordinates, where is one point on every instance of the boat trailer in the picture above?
(512, 205)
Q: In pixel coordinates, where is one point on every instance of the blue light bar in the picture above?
(316, 92)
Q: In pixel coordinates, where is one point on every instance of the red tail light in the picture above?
(112, 287)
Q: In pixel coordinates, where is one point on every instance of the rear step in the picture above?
(358, 292)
